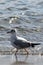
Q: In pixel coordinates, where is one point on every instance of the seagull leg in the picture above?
(16, 51)
(26, 51)
(16, 54)
(12, 51)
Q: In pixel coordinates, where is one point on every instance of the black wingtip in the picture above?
(34, 44)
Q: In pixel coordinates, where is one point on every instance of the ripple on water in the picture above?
(40, 3)
(23, 8)
(10, 8)
(28, 18)
(3, 28)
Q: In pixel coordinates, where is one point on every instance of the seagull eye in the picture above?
(12, 30)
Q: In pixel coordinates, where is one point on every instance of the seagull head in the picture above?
(13, 34)
(12, 31)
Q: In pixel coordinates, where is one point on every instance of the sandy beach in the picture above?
(21, 60)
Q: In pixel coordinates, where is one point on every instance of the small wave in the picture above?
(40, 3)
(23, 8)
(30, 13)
(10, 8)
(1, 13)
(2, 3)
(3, 28)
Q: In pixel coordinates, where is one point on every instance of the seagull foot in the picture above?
(26, 51)
(16, 52)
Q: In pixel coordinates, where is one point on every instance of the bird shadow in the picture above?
(19, 63)
(16, 57)
(23, 60)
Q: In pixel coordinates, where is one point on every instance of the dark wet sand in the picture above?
(21, 60)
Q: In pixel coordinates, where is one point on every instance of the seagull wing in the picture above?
(21, 43)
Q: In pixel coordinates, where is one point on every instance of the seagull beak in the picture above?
(9, 32)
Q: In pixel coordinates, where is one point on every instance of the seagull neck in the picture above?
(13, 37)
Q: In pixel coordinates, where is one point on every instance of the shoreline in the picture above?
(18, 53)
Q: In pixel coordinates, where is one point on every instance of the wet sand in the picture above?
(21, 60)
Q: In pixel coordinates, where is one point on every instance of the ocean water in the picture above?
(28, 21)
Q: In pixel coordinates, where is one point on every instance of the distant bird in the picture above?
(19, 42)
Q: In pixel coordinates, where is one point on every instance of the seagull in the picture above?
(19, 42)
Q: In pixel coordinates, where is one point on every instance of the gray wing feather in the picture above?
(21, 44)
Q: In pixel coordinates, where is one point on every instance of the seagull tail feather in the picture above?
(34, 44)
